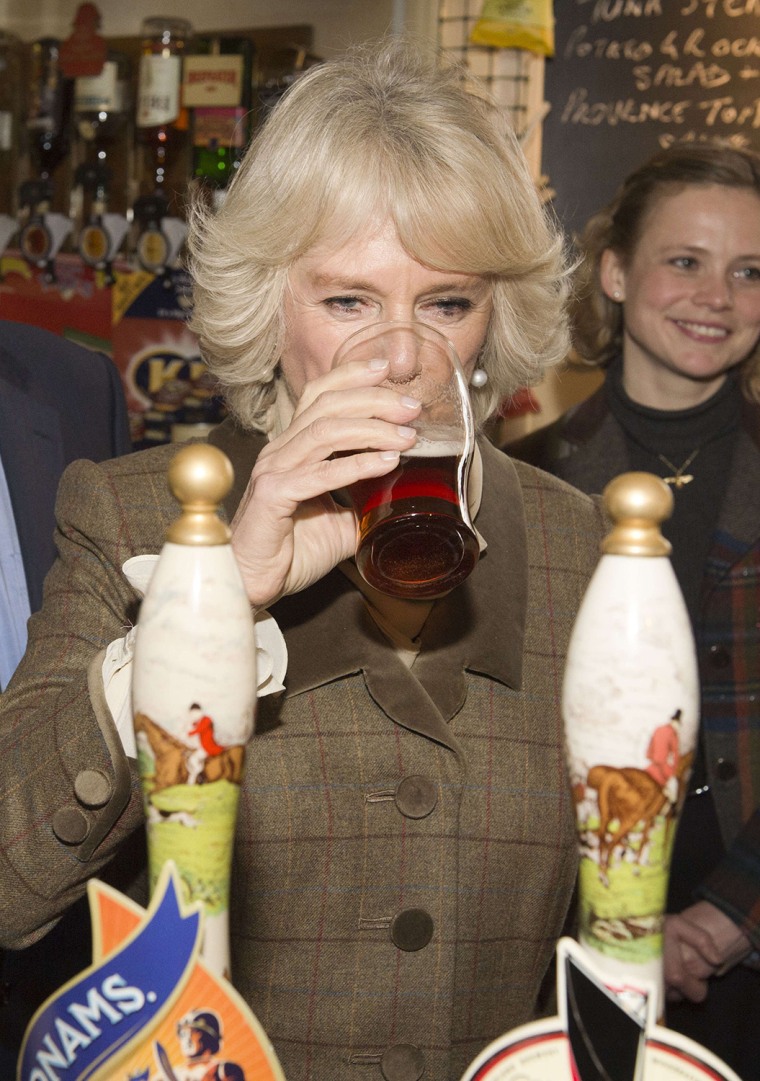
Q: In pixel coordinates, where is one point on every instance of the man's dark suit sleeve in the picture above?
(59, 402)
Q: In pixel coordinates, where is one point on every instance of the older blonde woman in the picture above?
(405, 856)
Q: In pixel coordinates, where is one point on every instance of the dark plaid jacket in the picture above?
(405, 854)
(586, 447)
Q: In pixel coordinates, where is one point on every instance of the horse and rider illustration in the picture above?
(629, 800)
(197, 759)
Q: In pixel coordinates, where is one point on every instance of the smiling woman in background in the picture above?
(668, 302)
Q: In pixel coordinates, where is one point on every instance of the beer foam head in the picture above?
(437, 443)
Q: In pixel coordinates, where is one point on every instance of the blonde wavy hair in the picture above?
(386, 130)
(597, 320)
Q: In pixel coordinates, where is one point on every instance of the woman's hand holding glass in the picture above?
(288, 531)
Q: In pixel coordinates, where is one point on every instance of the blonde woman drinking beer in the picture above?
(405, 855)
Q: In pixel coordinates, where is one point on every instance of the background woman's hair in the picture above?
(597, 321)
(385, 131)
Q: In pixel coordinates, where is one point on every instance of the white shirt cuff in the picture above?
(271, 657)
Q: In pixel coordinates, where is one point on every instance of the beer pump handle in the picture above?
(194, 693)
(637, 503)
(630, 706)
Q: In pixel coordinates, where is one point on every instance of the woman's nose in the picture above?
(404, 351)
(715, 291)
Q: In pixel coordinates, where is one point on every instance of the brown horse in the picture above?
(171, 755)
(631, 798)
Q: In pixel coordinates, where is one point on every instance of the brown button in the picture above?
(412, 929)
(92, 788)
(70, 825)
(719, 657)
(725, 770)
(416, 796)
(402, 1062)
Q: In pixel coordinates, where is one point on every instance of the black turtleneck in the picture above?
(656, 437)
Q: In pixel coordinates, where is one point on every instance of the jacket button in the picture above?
(402, 1062)
(92, 788)
(725, 770)
(412, 929)
(416, 796)
(719, 656)
(70, 825)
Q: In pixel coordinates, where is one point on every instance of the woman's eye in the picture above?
(749, 274)
(684, 262)
(452, 305)
(343, 303)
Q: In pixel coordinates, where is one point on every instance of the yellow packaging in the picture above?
(516, 24)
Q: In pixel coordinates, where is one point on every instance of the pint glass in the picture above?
(416, 539)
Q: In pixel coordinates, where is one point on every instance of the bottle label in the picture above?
(36, 243)
(6, 129)
(102, 93)
(93, 245)
(219, 128)
(153, 250)
(213, 80)
(158, 90)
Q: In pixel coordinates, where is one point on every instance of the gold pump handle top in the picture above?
(637, 503)
(199, 476)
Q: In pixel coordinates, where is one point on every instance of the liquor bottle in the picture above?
(101, 119)
(161, 120)
(11, 109)
(217, 89)
(100, 232)
(48, 121)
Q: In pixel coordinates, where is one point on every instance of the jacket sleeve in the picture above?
(68, 794)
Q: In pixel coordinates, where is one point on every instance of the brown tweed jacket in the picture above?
(405, 854)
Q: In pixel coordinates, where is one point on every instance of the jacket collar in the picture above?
(478, 627)
(592, 427)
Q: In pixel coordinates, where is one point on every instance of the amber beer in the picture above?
(413, 539)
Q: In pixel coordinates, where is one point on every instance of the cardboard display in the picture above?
(127, 1015)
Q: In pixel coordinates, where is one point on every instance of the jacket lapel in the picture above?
(596, 448)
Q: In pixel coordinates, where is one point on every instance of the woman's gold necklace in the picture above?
(680, 478)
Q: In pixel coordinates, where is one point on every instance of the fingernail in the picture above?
(376, 364)
(405, 431)
(410, 403)
(390, 455)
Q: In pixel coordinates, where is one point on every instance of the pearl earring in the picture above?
(616, 295)
(479, 378)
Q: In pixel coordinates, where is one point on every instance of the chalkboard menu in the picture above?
(631, 76)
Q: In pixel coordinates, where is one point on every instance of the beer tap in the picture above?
(160, 236)
(43, 230)
(102, 233)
